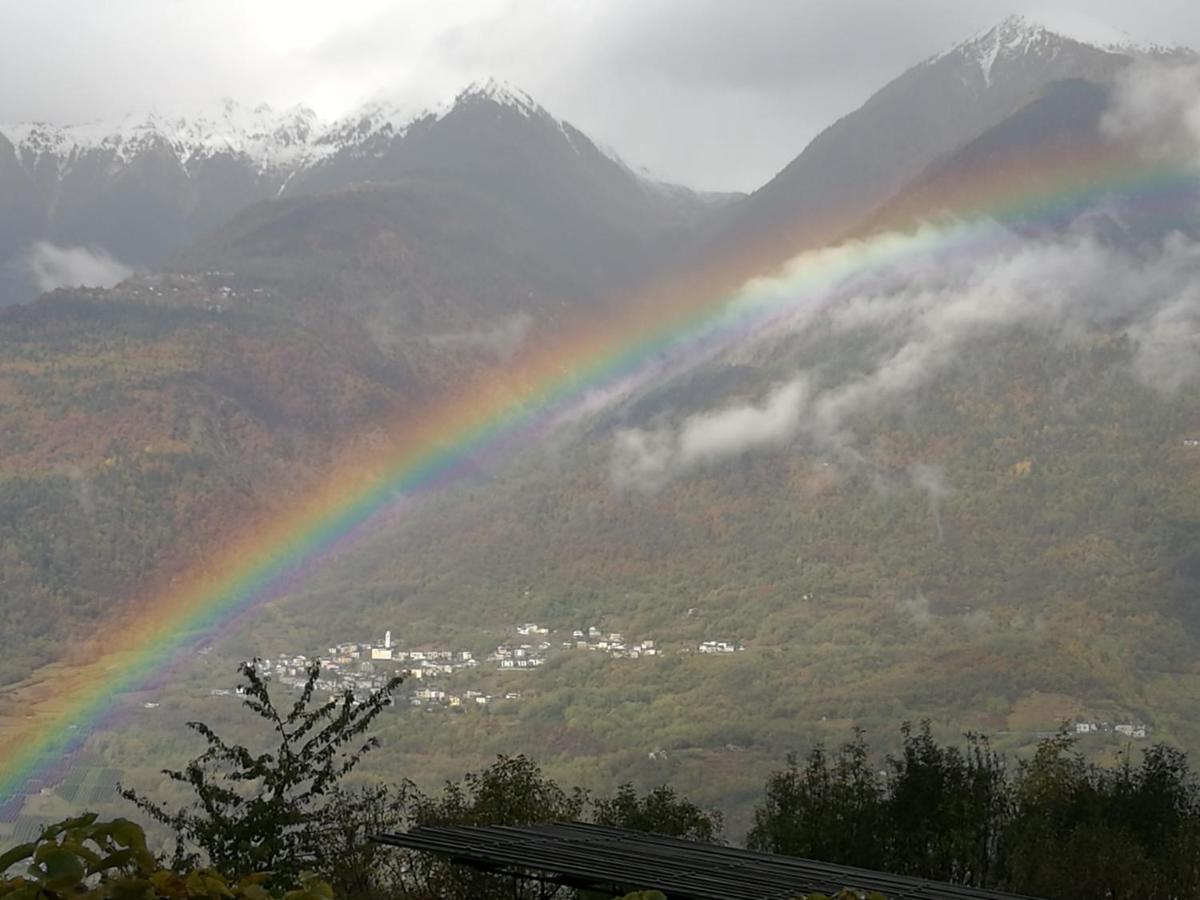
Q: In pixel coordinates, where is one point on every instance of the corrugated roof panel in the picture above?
(596, 856)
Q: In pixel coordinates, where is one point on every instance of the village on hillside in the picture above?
(1138, 731)
(362, 667)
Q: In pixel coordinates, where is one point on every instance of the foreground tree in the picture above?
(1060, 827)
(514, 791)
(661, 811)
(284, 810)
(830, 809)
(1082, 831)
(511, 791)
(946, 809)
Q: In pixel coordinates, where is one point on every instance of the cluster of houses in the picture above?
(208, 290)
(530, 655)
(612, 644)
(365, 666)
(1135, 730)
(361, 669)
(360, 676)
(719, 647)
(432, 698)
(419, 664)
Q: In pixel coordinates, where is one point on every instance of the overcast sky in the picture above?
(712, 93)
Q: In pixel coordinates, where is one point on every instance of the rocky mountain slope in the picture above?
(864, 159)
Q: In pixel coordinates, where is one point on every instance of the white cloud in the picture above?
(52, 267)
(913, 321)
(647, 459)
(1157, 105)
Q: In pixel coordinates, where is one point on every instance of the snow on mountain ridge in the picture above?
(275, 141)
(272, 140)
(1046, 33)
(503, 94)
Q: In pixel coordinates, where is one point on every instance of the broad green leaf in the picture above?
(195, 884)
(127, 833)
(16, 854)
(113, 861)
(78, 822)
(131, 889)
(215, 886)
(60, 869)
(20, 889)
(85, 853)
(168, 883)
(130, 834)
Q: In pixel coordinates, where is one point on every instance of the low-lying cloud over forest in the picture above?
(945, 288)
(51, 267)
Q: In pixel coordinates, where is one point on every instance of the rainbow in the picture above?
(491, 417)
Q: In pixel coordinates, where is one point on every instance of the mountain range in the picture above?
(143, 189)
(955, 491)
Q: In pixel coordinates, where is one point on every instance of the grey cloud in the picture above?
(979, 621)
(916, 608)
(1168, 343)
(83, 489)
(1158, 106)
(708, 92)
(932, 480)
(52, 267)
(502, 340)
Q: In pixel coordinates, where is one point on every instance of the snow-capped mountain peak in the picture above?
(503, 94)
(272, 140)
(374, 120)
(275, 142)
(1047, 34)
(294, 150)
(1028, 29)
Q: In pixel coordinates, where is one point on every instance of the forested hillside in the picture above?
(144, 423)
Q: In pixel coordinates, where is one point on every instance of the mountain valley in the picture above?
(953, 475)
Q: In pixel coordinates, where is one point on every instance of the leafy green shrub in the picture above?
(109, 860)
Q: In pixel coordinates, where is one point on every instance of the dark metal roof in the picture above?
(597, 857)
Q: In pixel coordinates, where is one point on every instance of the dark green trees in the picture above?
(1057, 827)
(829, 808)
(660, 811)
(1128, 832)
(945, 809)
(283, 810)
(514, 791)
